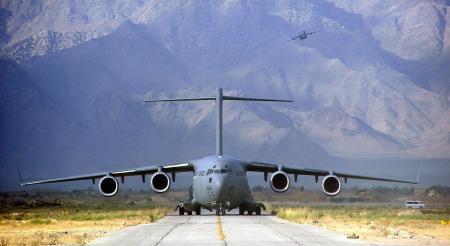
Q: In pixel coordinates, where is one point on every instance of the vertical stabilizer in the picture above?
(219, 122)
(219, 98)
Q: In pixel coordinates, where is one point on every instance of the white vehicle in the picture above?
(414, 204)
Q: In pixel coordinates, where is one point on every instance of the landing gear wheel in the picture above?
(250, 212)
(258, 211)
(180, 211)
(198, 211)
(189, 212)
(241, 211)
(217, 211)
(223, 211)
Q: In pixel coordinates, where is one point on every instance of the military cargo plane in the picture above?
(303, 35)
(219, 182)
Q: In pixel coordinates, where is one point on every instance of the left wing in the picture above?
(270, 168)
(170, 168)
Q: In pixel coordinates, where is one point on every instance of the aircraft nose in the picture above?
(220, 187)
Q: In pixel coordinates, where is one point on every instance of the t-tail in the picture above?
(219, 98)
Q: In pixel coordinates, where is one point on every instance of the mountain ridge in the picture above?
(356, 94)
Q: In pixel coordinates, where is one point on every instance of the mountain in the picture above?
(373, 83)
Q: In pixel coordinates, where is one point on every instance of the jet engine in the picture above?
(160, 182)
(331, 185)
(108, 186)
(279, 182)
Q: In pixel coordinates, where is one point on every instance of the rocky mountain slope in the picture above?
(374, 82)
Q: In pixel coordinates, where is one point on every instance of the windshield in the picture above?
(218, 171)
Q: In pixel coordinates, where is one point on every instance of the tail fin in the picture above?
(219, 98)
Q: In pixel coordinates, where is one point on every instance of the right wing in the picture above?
(170, 168)
(270, 168)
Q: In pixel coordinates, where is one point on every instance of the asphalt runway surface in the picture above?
(225, 230)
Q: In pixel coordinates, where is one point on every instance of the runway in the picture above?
(225, 230)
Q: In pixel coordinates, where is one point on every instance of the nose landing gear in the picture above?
(220, 207)
(220, 211)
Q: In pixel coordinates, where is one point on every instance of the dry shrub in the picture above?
(3, 241)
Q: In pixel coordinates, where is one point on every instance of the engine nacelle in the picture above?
(108, 186)
(160, 182)
(279, 182)
(331, 185)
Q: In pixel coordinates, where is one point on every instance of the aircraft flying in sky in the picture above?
(219, 182)
(303, 35)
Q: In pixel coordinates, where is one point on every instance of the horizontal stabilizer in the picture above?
(254, 99)
(182, 99)
(231, 98)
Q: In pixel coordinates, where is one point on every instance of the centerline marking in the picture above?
(219, 228)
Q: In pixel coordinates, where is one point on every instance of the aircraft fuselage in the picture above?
(220, 181)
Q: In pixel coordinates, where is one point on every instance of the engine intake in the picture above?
(331, 185)
(279, 182)
(160, 182)
(108, 186)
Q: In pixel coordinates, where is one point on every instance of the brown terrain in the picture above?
(375, 215)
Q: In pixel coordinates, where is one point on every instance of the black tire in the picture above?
(224, 212)
(180, 211)
(258, 211)
(198, 211)
(250, 212)
(217, 211)
(189, 212)
(241, 211)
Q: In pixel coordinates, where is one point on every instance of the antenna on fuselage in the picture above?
(219, 98)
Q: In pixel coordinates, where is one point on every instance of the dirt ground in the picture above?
(59, 226)
(395, 226)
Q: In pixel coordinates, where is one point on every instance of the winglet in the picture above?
(20, 176)
(418, 174)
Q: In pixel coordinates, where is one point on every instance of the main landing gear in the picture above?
(250, 212)
(182, 210)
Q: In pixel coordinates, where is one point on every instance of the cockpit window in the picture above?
(218, 171)
(222, 171)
